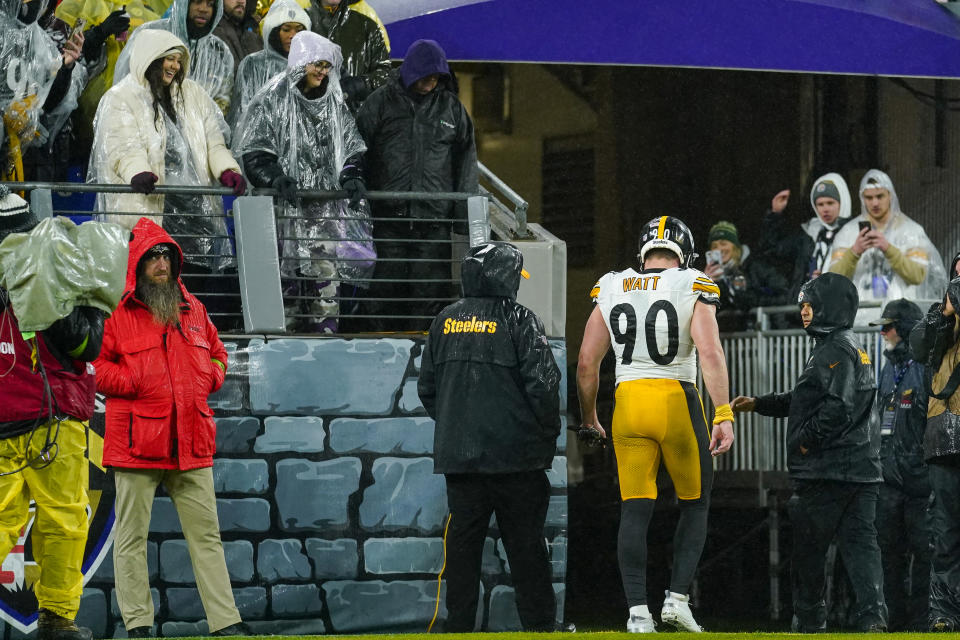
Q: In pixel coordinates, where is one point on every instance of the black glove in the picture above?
(588, 436)
(353, 87)
(94, 37)
(355, 189)
(286, 188)
(144, 182)
(115, 23)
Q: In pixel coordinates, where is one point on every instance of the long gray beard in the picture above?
(163, 300)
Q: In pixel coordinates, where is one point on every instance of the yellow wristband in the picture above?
(723, 413)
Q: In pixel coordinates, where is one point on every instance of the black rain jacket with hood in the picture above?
(419, 143)
(488, 377)
(831, 408)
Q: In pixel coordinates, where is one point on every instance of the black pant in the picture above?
(415, 288)
(945, 530)
(520, 502)
(903, 533)
(824, 510)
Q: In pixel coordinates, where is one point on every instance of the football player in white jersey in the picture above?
(658, 319)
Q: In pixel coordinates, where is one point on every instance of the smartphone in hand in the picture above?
(714, 256)
(865, 225)
(77, 27)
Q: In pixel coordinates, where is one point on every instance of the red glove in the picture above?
(143, 182)
(235, 181)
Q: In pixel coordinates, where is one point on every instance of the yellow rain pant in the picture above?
(59, 531)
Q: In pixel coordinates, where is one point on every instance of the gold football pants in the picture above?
(658, 419)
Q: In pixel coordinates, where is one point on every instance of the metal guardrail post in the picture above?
(762, 384)
(41, 203)
(478, 220)
(521, 205)
(259, 265)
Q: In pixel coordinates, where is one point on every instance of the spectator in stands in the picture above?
(48, 156)
(885, 253)
(298, 133)
(420, 138)
(31, 65)
(809, 250)
(161, 360)
(833, 447)
(903, 528)
(108, 24)
(745, 282)
(158, 127)
(284, 20)
(954, 267)
(490, 381)
(936, 343)
(355, 26)
(115, 24)
(240, 29)
(211, 63)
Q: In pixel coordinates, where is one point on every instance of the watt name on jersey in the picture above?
(648, 315)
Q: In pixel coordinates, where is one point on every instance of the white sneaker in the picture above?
(676, 613)
(639, 624)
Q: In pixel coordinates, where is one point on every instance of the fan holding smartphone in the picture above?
(887, 255)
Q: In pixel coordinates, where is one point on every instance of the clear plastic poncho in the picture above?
(254, 72)
(129, 139)
(56, 118)
(59, 265)
(874, 277)
(256, 69)
(211, 63)
(312, 139)
(29, 61)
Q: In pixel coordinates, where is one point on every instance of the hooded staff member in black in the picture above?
(833, 454)
(489, 380)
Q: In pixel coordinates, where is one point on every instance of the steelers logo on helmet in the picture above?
(671, 234)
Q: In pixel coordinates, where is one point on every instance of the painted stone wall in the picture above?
(331, 515)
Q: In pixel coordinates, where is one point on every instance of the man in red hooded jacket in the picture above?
(161, 359)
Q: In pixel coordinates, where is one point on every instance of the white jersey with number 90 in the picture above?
(648, 315)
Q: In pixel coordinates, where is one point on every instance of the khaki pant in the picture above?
(196, 503)
(59, 531)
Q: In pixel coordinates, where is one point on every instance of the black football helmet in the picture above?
(667, 232)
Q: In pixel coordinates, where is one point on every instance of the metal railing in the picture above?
(355, 304)
(511, 224)
(769, 361)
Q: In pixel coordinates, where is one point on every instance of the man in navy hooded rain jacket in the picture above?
(419, 138)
